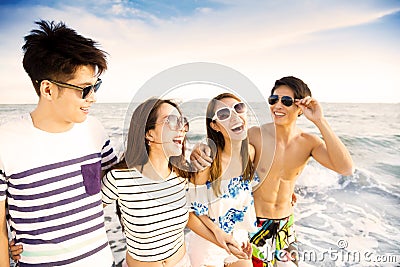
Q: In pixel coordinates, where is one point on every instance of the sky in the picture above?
(345, 50)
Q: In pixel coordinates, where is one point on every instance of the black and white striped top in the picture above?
(154, 212)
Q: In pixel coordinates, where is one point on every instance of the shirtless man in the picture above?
(275, 241)
(290, 97)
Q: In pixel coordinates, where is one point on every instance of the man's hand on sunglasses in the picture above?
(310, 108)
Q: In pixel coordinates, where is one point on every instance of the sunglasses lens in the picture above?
(287, 101)
(183, 122)
(97, 85)
(87, 91)
(273, 99)
(176, 123)
(186, 124)
(173, 122)
(223, 114)
(240, 108)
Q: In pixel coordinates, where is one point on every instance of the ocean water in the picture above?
(340, 220)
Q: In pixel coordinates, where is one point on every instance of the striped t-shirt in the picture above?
(154, 212)
(51, 182)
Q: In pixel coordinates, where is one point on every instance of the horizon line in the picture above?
(327, 102)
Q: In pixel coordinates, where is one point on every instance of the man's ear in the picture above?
(300, 112)
(46, 90)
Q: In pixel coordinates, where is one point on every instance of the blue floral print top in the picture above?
(232, 210)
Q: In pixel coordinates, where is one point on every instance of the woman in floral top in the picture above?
(221, 195)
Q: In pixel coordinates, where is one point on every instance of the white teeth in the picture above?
(237, 129)
(178, 140)
(279, 114)
(238, 125)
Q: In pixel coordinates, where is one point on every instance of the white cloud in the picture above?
(264, 41)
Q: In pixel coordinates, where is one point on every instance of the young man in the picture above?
(51, 159)
(290, 98)
(282, 152)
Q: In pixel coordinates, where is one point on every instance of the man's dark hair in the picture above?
(300, 89)
(55, 52)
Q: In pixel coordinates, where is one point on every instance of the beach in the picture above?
(340, 220)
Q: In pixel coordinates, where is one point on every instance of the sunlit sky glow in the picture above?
(346, 51)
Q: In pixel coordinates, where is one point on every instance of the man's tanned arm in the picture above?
(330, 152)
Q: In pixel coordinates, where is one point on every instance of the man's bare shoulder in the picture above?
(254, 130)
(265, 128)
(258, 133)
(309, 137)
(254, 134)
(268, 128)
(308, 140)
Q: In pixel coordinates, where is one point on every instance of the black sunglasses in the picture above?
(286, 100)
(176, 123)
(86, 91)
(224, 113)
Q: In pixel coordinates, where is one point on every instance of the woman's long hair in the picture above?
(219, 141)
